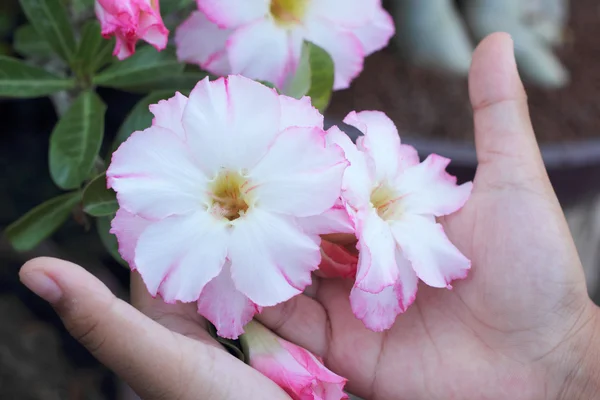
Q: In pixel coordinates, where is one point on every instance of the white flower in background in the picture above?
(263, 39)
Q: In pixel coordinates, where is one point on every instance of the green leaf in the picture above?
(234, 347)
(301, 82)
(140, 117)
(183, 82)
(93, 51)
(51, 21)
(76, 140)
(18, 79)
(322, 74)
(27, 42)
(146, 67)
(108, 239)
(39, 223)
(170, 6)
(82, 5)
(98, 200)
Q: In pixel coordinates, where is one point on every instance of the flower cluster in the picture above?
(236, 195)
(225, 198)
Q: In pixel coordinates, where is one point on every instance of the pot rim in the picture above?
(568, 154)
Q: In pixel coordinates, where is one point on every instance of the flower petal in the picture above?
(434, 258)
(128, 227)
(271, 258)
(226, 307)
(428, 189)
(168, 114)
(334, 220)
(381, 141)
(377, 267)
(194, 47)
(357, 183)
(299, 113)
(155, 175)
(263, 50)
(233, 13)
(376, 34)
(379, 311)
(337, 261)
(300, 175)
(343, 46)
(231, 122)
(178, 256)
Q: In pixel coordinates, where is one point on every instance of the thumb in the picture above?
(155, 362)
(507, 149)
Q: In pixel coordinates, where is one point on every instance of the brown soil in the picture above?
(428, 103)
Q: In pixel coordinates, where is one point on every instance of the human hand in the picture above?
(520, 326)
(165, 354)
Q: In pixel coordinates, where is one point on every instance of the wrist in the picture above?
(579, 366)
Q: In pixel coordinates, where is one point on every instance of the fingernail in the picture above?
(42, 285)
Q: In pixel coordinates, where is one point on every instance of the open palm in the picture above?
(500, 333)
(516, 328)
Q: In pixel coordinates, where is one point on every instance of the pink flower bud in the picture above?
(129, 21)
(297, 371)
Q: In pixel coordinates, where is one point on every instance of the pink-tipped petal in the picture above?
(300, 175)
(152, 30)
(334, 220)
(201, 42)
(233, 13)
(262, 50)
(434, 258)
(271, 258)
(381, 141)
(344, 48)
(428, 189)
(236, 118)
(379, 311)
(299, 113)
(377, 267)
(225, 306)
(357, 182)
(376, 34)
(178, 266)
(155, 175)
(128, 227)
(168, 114)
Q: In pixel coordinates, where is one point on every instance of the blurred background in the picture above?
(419, 81)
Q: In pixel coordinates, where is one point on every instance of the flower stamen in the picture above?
(288, 12)
(228, 198)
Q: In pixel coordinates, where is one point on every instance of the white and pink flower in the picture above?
(297, 371)
(213, 195)
(394, 201)
(130, 21)
(262, 39)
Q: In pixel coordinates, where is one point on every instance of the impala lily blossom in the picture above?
(129, 21)
(262, 39)
(394, 201)
(213, 194)
(302, 375)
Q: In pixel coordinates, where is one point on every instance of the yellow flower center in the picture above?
(288, 12)
(386, 202)
(229, 195)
